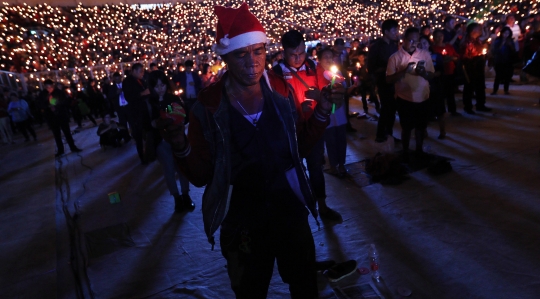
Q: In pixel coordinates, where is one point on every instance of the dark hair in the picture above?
(136, 66)
(410, 31)
(292, 39)
(471, 27)
(152, 65)
(426, 38)
(437, 31)
(205, 68)
(189, 63)
(339, 42)
(505, 29)
(116, 74)
(389, 24)
(48, 82)
(321, 52)
(448, 19)
(158, 75)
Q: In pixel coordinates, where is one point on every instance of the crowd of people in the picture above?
(256, 112)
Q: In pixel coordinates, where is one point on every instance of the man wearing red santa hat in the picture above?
(245, 143)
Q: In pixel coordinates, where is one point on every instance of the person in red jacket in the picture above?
(307, 81)
(245, 143)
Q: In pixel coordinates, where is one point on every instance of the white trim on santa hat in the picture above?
(227, 45)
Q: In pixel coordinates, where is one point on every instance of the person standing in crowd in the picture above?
(21, 116)
(378, 55)
(410, 69)
(160, 99)
(301, 73)
(436, 99)
(119, 103)
(473, 55)
(341, 60)
(366, 85)
(448, 78)
(190, 82)
(244, 143)
(136, 94)
(504, 54)
(335, 137)
(515, 28)
(451, 35)
(207, 77)
(55, 108)
(95, 99)
(5, 126)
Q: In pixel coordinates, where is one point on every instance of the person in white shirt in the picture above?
(410, 69)
(516, 30)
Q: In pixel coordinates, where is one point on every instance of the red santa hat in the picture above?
(236, 28)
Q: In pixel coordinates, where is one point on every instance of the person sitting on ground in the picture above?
(109, 132)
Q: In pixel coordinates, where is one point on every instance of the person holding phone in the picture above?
(410, 70)
(307, 80)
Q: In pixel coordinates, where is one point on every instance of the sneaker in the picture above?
(341, 270)
(330, 215)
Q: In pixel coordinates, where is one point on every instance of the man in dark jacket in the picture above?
(244, 132)
(118, 100)
(378, 55)
(55, 107)
(136, 94)
(190, 83)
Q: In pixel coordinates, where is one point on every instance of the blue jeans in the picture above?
(314, 161)
(336, 144)
(165, 157)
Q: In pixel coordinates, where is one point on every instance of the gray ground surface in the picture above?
(471, 233)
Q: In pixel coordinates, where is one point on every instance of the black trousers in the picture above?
(476, 84)
(477, 87)
(57, 127)
(364, 91)
(385, 126)
(121, 112)
(137, 134)
(503, 74)
(449, 88)
(251, 255)
(25, 127)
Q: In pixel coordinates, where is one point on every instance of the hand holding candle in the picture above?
(335, 92)
(174, 112)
